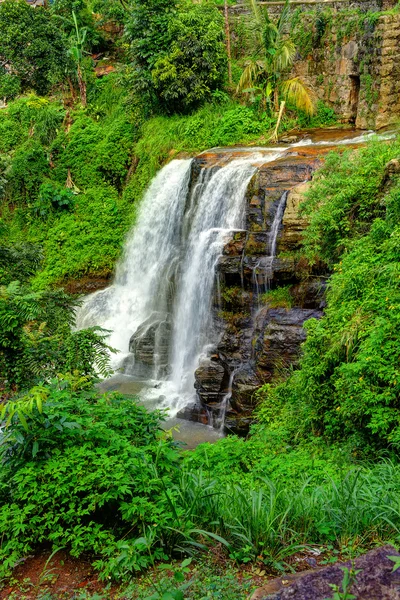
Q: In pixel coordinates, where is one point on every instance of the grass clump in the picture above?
(278, 298)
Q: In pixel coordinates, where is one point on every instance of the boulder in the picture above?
(150, 343)
(375, 581)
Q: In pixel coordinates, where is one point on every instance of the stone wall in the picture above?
(353, 65)
(358, 74)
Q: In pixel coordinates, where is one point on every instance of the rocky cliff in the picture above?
(348, 53)
(261, 301)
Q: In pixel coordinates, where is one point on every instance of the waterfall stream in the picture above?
(164, 284)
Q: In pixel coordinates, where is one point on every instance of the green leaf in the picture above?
(35, 448)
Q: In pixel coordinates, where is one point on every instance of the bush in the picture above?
(32, 45)
(195, 64)
(36, 341)
(86, 472)
(179, 54)
(10, 86)
(53, 197)
(347, 387)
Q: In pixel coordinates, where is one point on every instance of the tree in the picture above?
(266, 72)
(179, 56)
(31, 46)
(196, 62)
(76, 51)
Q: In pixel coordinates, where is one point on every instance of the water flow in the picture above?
(144, 280)
(274, 232)
(220, 421)
(165, 283)
(218, 212)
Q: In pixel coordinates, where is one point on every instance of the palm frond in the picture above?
(270, 34)
(284, 55)
(298, 93)
(283, 18)
(256, 22)
(251, 75)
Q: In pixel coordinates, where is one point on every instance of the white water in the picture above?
(151, 257)
(274, 232)
(167, 274)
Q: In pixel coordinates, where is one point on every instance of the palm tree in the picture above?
(265, 72)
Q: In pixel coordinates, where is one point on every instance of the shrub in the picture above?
(10, 86)
(31, 44)
(196, 62)
(347, 387)
(36, 341)
(53, 197)
(86, 472)
(179, 55)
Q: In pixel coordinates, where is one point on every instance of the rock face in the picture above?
(150, 345)
(260, 332)
(348, 58)
(357, 71)
(375, 581)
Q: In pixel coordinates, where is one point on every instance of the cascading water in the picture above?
(141, 293)
(263, 268)
(274, 232)
(164, 285)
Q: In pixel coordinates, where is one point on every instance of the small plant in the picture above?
(396, 560)
(349, 579)
(165, 589)
(53, 197)
(278, 298)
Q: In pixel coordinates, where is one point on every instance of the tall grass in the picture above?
(360, 509)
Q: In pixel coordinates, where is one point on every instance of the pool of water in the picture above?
(190, 433)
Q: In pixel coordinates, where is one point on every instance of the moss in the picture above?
(278, 298)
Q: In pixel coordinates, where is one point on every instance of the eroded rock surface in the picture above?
(259, 340)
(375, 581)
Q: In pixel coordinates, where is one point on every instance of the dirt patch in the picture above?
(61, 575)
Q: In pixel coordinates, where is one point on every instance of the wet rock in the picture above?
(375, 581)
(310, 293)
(211, 381)
(236, 246)
(293, 224)
(281, 336)
(392, 169)
(150, 342)
(195, 412)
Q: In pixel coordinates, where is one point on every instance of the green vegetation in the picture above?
(347, 386)
(264, 75)
(278, 298)
(94, 473)
(31, 46)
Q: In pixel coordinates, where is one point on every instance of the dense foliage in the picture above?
(348, 383)
(32, 48)
(178, 53)
(94, 473)
(86, 472)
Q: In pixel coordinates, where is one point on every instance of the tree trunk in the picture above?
(274, 136)
(228, 42)
(82, 86)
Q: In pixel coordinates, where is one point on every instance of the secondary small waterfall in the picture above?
(164, 284)
(273, 234)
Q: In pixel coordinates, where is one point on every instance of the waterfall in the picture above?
(141, 292)
(274, 232)
(164, 284)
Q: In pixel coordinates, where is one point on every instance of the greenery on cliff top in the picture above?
(72, 172)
